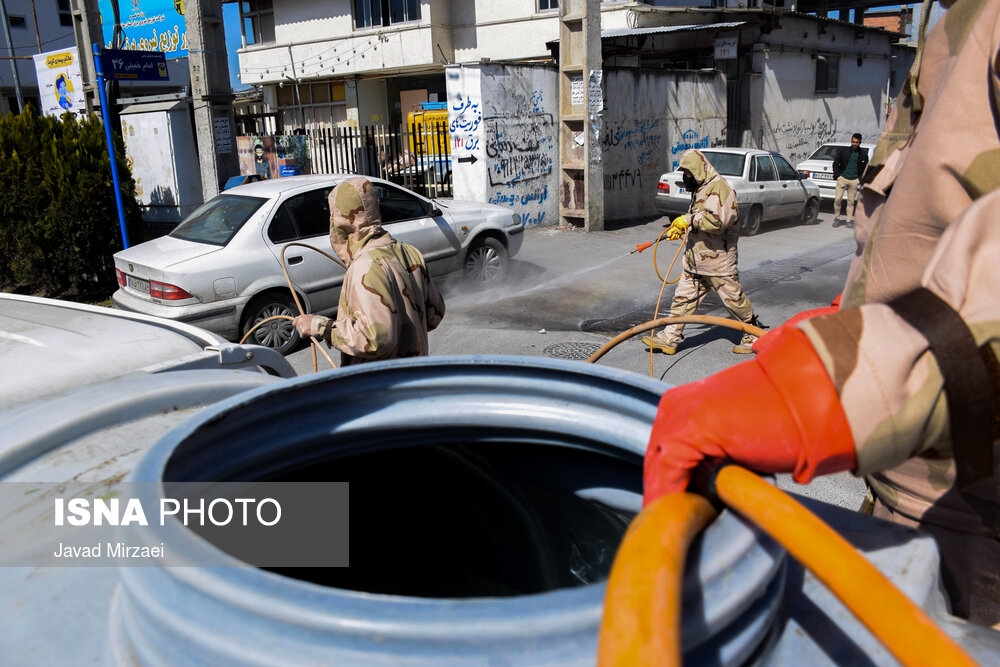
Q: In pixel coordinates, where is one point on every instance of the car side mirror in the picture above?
(433, 211)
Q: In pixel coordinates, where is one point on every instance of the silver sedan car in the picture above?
(767, 188)
(219, 269)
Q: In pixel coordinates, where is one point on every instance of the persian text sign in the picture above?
(725, 47)
(148, 25)
(134, 65)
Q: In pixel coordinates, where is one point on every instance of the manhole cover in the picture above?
(577, 351)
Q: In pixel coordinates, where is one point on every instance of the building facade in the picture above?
(35, 26)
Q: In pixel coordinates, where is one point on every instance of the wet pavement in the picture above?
(569, 292)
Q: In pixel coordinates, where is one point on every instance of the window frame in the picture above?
(65, 14)
(774, 170)
(258, 17)
(297, 229)
(552, 6)
(778, 159)
(23, 22)
(424, 212)
(384, 14)
(825, 63)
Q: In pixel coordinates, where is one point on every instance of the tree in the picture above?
(58, 217)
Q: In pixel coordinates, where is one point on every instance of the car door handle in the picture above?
(762, 187)
(784, 185)
(295, 260)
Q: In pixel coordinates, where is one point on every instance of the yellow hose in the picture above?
(641, 624)
(298, 304)
(903, 627)
(664, 282)
(686, 319)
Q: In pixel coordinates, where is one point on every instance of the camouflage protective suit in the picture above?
(710, 257)
(928, 216)
(388, 302)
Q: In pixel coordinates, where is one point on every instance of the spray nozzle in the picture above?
(641, 247)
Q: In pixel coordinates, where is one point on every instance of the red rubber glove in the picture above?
(778, 412)
(761, 343)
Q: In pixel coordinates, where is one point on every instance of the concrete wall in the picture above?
(651, 118)
(791, 117)
(504, 117)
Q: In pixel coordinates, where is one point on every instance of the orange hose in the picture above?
(686, 319)
(903, 627)
(641, 624)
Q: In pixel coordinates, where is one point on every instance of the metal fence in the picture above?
(417, 157)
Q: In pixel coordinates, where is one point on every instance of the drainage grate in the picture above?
(577, 351)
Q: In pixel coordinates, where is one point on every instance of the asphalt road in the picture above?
(568, 292)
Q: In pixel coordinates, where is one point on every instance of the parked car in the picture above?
(219, 269)
(818, 168)
(766, 186)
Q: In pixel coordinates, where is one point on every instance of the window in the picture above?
(374, 13)
(17, 22)
(785, 170)
(825, 152)
(397, 205)
(765, 170)
(302, 216)
(827, 70)
(217, 221)
(547, 5)
(258, 21)
(65, 12)
(727, 164)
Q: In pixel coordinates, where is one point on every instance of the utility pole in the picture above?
(13, 59)
(87, 27)
(214, 119)
(581, 111)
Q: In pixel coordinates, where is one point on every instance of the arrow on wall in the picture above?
(471, 159)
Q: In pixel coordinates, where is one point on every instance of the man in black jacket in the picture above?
(848, 166)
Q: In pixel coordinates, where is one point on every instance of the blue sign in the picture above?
(134, 65)
(147, 25)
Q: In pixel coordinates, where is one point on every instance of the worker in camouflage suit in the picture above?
(902, 382)
(710, 257)
(388, 302)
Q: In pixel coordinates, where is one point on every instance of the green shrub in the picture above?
(58, 218)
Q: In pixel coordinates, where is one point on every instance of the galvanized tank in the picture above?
(554, 434)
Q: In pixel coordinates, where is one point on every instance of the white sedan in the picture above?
(766, 186)
(219, 268)
(818, 167)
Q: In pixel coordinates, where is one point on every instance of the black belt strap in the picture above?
(967, 383)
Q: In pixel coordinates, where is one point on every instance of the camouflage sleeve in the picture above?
(434, 305)
(714, 209)
(888, 381)
(365, 325)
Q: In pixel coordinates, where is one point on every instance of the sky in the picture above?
(234, 40)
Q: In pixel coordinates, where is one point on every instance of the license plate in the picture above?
(825, 177)
(138, 284)
(681, 191)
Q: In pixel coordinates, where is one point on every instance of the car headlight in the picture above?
(517, 219)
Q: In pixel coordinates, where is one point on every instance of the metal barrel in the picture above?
(550, 434)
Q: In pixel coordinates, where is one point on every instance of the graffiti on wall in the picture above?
(797, 139)
(640, 137)
(690, 139)
(519, 148)
(623, 179)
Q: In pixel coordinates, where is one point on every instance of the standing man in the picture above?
(848, 167)
(388, 302)
(710, 259)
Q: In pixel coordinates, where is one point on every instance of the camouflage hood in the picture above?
(355, 218)
(698, 165)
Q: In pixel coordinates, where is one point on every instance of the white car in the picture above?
(766, 187)
(219, 269)
(818, 168)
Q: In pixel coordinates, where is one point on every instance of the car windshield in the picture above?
(727, 164)
(825, 152)
(218, 220)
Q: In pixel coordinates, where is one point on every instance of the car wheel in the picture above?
(279, 335)
(811, 212)
(751, 225)
(486, 261)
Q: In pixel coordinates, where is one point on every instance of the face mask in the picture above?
(690, 183)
